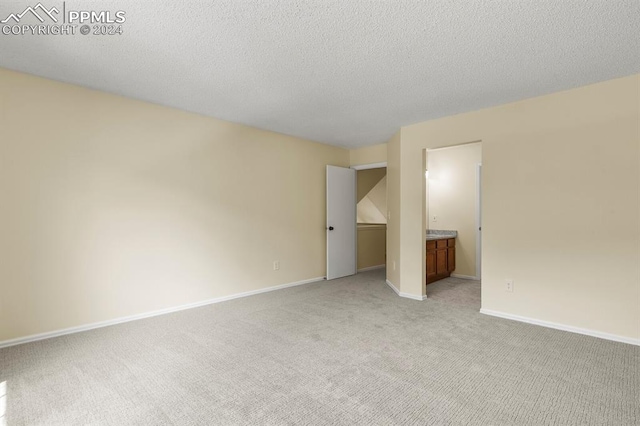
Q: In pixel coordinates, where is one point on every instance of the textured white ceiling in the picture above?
(347, 73)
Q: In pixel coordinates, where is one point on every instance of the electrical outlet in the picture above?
(509, 286)
(276, 265)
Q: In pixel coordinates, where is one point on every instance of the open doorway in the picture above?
(371, 217)
(453, 217)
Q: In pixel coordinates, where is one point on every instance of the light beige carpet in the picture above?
(345, 352)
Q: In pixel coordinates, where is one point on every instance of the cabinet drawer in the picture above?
(451, 242)
(431, 245)
(441, 244)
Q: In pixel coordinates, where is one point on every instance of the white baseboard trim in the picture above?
(405, 295)
(465, 277)
(413, 296)
(562, 327)
(372, 268)
(393, 287)
(56, 333)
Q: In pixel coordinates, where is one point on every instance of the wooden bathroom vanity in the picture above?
(441, 257)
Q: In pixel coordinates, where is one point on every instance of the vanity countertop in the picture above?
(438, 234)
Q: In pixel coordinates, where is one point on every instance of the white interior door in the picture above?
(341, 222)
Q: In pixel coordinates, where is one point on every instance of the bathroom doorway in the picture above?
(453, 222)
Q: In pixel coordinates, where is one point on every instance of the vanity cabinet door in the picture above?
(441, 261)
(431, 263)
(451, 259)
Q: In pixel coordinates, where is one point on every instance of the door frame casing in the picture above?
(479, 221)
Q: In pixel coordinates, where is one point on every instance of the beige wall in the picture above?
(112, 207)
(452, 198)
(372, 240)
(368, 155)
(560, 205)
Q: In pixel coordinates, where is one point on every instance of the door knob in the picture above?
(331, 228)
